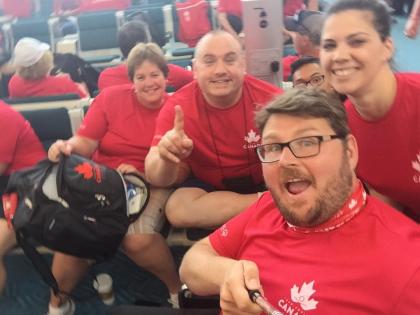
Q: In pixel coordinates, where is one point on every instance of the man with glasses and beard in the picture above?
(316, 241)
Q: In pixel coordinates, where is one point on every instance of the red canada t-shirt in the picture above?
(123, 127)
(369, 265)
(389, 148)
(224, 139)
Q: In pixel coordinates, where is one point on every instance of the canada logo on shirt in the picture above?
(302, 296)
(252, 140)
(416, 166)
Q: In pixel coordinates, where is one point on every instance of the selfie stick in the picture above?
(258, 299)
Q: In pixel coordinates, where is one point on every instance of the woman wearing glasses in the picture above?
(383, 107)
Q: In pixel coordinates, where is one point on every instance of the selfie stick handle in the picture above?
(258, 299)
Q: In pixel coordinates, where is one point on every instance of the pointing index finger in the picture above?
(179, 119)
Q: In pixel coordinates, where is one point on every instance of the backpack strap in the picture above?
(39, 263)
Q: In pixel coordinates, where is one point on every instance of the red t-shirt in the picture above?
(64, 5)
(233, 7)
(291, 7)
(100, 5)
(287, 66)
(118, 75)
(123, 127)
(17, 8)
(369, 265)
(19, 145)
(50, 85)
(389, 148)
(224, 139)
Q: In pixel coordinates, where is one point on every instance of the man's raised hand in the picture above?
(175, 145)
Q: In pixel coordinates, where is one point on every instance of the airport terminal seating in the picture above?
(52, 117)
(97, 35)
(50, 124)
(41, 28)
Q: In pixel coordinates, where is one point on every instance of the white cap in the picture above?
(28, 51)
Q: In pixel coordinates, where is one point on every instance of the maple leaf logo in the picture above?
(85, 169)
(252, 137)
(416, 164)
(302, 296)
(352, 203)
(224, 230)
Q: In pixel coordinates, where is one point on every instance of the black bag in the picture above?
(76, 206)
(79, 70)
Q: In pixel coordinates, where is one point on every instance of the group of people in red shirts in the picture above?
(26, 8)
(303, 196)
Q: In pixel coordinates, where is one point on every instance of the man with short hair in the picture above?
(316, 243)
(207, 130)
(305, 29)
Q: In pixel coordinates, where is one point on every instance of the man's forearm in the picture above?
(202, 270)
(415, 12)
(161, 172)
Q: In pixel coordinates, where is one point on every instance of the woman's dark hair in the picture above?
(301, 62)
(132, 33)
(378, 8)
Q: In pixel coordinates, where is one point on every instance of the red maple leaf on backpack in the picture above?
(85, 169)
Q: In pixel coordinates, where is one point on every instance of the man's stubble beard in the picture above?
(329, 202)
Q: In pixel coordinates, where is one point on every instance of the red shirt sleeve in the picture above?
(10, 126)
(287, 66)
(178, 76)
(227, 239)
(73, 87)
(95, 124)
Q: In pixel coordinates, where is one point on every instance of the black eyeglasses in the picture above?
(300, 147)
(314, 81)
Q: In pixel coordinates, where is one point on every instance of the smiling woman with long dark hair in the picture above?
(383, 107)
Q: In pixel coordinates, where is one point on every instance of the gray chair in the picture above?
(49, 124)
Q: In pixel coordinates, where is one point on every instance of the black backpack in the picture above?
(76, 206)
(79, 70)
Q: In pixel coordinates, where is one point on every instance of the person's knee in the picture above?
(7, 238)
(179, 215)
(181, 207)
(138, 242)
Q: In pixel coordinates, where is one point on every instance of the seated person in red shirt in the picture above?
(316, 243)
(117, 132)
(19, 9)
(33, 61)
(292, 7)
(305, 30)
(19, 148)
(383, 107)
(205, 137)
(229, 16)
(129, 35)
(74, 7)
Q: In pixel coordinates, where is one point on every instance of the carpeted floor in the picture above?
(27, 294)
